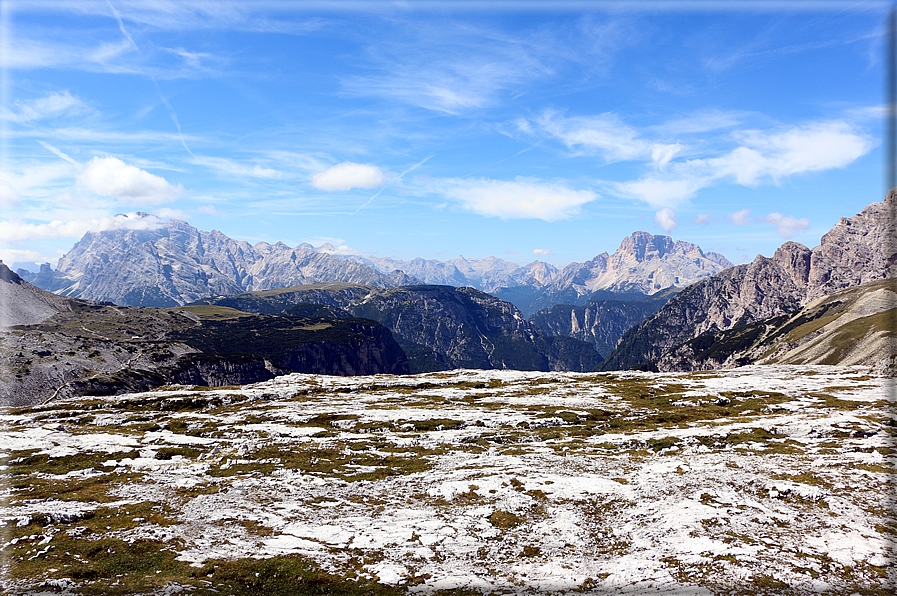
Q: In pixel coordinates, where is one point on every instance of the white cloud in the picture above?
(18, 231)
(665, 219)
(520, 198)
(786, 225)
(111, 177)
(57, 152)
(53, 105)
(702, 219)
(662, 154)
(541, 251)
(207, 210)
(9, 198)
(701, 122)
(740, 218)
(348, 175)
(771, 156)
(340, 249)
(603, 135)
(762, 157)
(658, 192)
(14, 255)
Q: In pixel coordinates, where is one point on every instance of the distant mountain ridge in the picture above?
(176, 264)
(644, 263)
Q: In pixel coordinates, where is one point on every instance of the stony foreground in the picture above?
(756, 480)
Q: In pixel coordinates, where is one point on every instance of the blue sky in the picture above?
(523, 130)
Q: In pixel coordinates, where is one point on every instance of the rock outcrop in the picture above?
(601, 323)
(857, 325)
(856, 250)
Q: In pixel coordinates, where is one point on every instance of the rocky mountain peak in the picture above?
(794, 257)
(856, 250)
(644, 246)
(176, 263)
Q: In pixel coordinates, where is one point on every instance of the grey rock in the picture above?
(601, 323)
(856, 250)
(643, 263)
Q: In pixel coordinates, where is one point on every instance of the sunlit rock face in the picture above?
(643, 263)
(857, 250)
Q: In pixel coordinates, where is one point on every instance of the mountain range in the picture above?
(653, 304)
(176, 264)
(55, 346)
(855, 252)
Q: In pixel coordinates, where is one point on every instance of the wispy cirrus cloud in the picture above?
(235, 168)
(451, 67)
(41, 108)
(286, 18)
(9, 198)
(605, 136)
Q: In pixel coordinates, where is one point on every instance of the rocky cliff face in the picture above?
(738, 296)
(601, 323)
(856, 251)
(176, 264)
(439, 327)
(857, 325)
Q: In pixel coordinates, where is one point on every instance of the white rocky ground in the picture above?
(764, 479)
